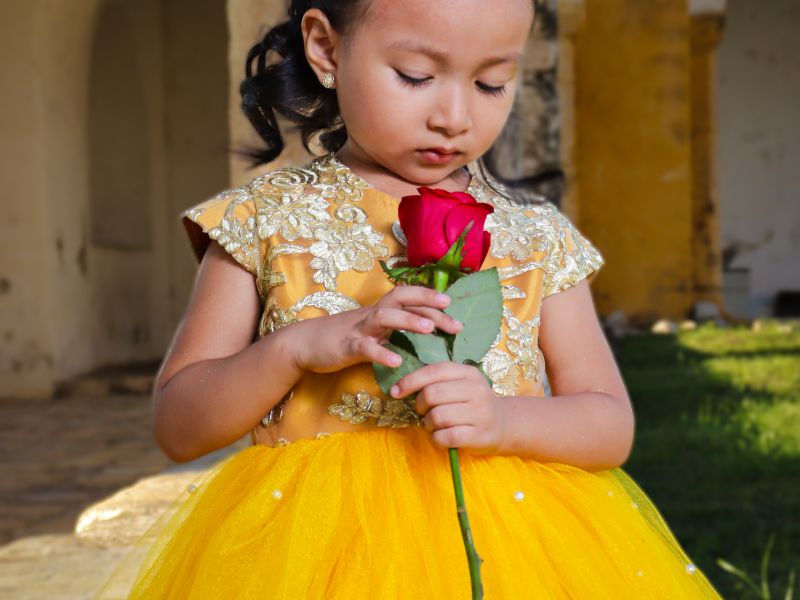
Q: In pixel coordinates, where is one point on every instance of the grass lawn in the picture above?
(717, 444)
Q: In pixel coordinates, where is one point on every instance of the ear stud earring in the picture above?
(328, 80)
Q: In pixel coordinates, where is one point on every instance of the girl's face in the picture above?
(424, 74)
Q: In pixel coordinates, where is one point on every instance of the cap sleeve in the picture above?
(230, 219)
(571, 258)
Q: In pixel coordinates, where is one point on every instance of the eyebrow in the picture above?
(441, 57)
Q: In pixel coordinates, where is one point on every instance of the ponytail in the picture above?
(290, 86)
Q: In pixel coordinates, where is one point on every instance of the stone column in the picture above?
(571, 14)
(707, 20)
(632, 150)
(530, 141)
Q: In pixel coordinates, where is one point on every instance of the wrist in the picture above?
(291, 343)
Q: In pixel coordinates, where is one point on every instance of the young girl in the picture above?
(346, 492)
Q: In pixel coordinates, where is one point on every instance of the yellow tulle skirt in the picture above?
(372, 515)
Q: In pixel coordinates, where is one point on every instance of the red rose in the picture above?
(433, 220)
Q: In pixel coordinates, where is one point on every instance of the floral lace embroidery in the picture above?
(237, 237)
(572, 257)
(290, 216)
(342, 247)
(521, 230)
(357, 408)
(520, 361)
(295, 202)
(521, 343)
(319, 203)
(274, 317)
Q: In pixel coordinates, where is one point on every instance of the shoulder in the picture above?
(570, 256)
(524, 224)
(243, 199)
(238, 218)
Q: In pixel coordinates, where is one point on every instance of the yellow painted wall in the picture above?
(631, 153)
(706, 30)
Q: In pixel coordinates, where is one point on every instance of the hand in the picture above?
(331, 343)
(458, 406)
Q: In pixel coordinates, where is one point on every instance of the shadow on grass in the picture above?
(723, 479)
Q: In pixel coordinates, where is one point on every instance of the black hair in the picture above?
(291, 88)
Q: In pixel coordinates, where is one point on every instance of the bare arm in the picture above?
(215, 383)
(589, 421)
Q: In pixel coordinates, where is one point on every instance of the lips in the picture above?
(441, 150)
(438, 156)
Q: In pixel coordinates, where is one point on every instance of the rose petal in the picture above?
(457, 219)
(464, 197)
(422, 221)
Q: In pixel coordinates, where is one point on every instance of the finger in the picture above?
(416, 380)
(439, 393)
(365, 349)
(445, 416)
(440, 319)
(417, 295)
(454, 437)
(384, 317)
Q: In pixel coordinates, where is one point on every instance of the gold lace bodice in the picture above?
(312, 237)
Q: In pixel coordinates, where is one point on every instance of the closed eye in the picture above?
(486, 89)
(413, 82)
(494, 91)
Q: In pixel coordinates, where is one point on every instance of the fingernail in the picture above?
(442, 297)
(458, 324)
(394, 391)
(425, 323)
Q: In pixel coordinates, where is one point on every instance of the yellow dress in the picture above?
(342, 493)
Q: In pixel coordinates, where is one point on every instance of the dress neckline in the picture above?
(363, 183)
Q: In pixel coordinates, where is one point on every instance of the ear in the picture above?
(320, 41)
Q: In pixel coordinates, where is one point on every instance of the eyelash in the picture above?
(486, 89)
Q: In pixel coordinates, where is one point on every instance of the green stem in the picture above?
(440, 279)
(474, 561)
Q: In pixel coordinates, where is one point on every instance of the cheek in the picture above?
(375, 102)
(495, 119)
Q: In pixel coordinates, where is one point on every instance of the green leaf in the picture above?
(388, 376)
(738, 573)
(476, 301)
(401, 340)
(449, 339)
(790, 586)
(429, 347)
(765, 567)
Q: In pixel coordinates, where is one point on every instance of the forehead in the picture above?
(468, 30)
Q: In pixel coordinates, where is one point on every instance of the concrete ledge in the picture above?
(76, 566)
(125, 516)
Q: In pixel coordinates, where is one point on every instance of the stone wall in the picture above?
(113, 120)
(116, 115)
(759, 146)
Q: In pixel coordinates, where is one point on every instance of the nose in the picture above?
(451, 113)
